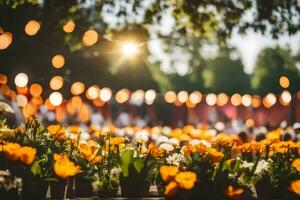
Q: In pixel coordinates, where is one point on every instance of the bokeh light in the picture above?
(69, 26)
(122, 95)
(137, 97)
(92, 92)
(56, 98)
(35, 90)
(246, 100)
(182, 96)
(284, 82)
(269, 100)
(90, 38)
(56, 82)
(130, 48)
(21, 80)
(77, 88)
(21, 100)
(236, 99)
(256, 101)
(105, 94)
(32, 27)
(5, 40)
(170, 97)
(3, 79)
(222, 99)
(195, 97)
(150, 96)
(211, 99)
(285, 98)
(76, 102)
(58, 61)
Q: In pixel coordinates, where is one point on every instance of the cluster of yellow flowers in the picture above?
(14, 152)
(63, 167)
(176, 179)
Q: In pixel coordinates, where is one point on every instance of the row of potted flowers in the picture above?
(34, 158)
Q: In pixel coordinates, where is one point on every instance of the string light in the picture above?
(222, 99)
(122, 95)
(269, 100)
(105, 94)
(236, 99)
(3, 79)
(35, 90)
(284, 82)
(21, 100)
(211, 99)
(256, 101)
(77, 88)
(285, 98)
(90, 38)
(56, 82)
(182, 96)
(170, 97)
(58, 61)
(5, 40)
(150, 96)
(92, 92)
(246, 100)
(21, 80)
(137, 97)
(69, 26)
(195, 97)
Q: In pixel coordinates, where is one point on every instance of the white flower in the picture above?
(174, 141)
(162, 139)
(167, 147)
(262, 165)
(175, 159)
(4, 107)
(245, 164)
(142, 136)
(115, 172)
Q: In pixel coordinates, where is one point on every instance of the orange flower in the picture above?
(57, 131)
(168, 173)
(85, 151)
(295, 187)
(155, 151)
(63, 167)
(96, 159)
(171, 189)
(117, 140)
(11, 151)
(215, 155)
(27, 155)
(296, 164)
(19, 130)
(233, 193)
(186, 180)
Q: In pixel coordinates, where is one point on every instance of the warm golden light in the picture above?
(182, 96)
(32, 27)
(55, 98)
(92, 92)
(76, 102)
(256, 101)
(246, 100)
(170, 97)
(3, 79)
(49, 105)
(90, 38)
(58, 61)
(284, 82)
(211, 99)
(69, 26)
(35, 90)
(122, 95)
(236, 99)
(21, 80)
(150, 96)
(21, 100)
(105, 94)
(249, 123)
(77, 88)
(5, 40)
(137, 97)
(56, 82)
(195, 97)
(285, 98)
(222, 99)
(130, 48)
(269, 100)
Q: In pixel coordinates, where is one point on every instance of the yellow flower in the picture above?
(155, 151)
(19, 131)
(186, 180)
(168, 173)
(295, 187)
(63, 167)
(96, 159)
(296, 164)
(11, 151)
(57, 131)
(215, 155)
(27, 155)
(85, 151)
(117, 140)
(74, 129)
(171, 189)
(233, 193)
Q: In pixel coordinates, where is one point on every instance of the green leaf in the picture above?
(35, 168)
(138, 164)
(126, 159)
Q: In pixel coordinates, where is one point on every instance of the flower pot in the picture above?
(83, 187)
(108, 193)
(58, 189)
(9, 195)
(37, 185)
(134, 188)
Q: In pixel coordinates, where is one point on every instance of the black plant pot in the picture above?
(134, 188)
(34, 189)
(265, 191)
(58, 189)
(9, 195)
(83, 187)
(108, 193)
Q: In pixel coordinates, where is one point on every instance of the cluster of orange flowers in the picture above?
(63, 167)
(14, 152)
(176, 179)
(89, 152)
